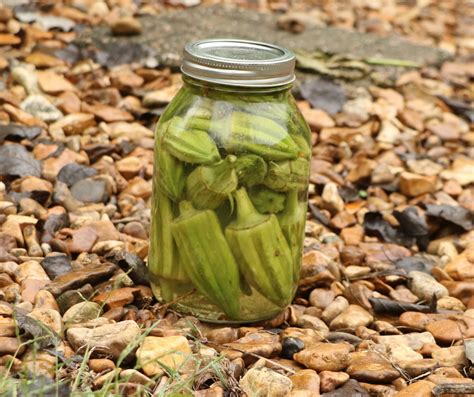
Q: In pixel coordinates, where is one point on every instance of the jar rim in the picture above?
(241, 63)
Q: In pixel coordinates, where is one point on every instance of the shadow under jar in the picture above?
(230, 186)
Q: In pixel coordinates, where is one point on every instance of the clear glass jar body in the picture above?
(229, 201)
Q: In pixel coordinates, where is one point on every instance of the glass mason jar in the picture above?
(232, 159)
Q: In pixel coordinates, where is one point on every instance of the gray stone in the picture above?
(90, 191)
(425, 286)
(38, 106)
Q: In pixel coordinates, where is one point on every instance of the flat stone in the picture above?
(414, 340)
(45, 300)
(56, 265)
(352, 317)
(80, 277)
(38, 106)
(264, 382)
(155, 352)
(325, 356)
(425, 286)
(305, 379)
(116, 298)
(10, 345)
(51, 82)
(371, 367)
(263, 343)
(330, 380)
(421, 388)
(73, 172)
(453, 356)
(90, 191)
(415, 185)
(351, 388)
(49, 317)
(82, 312)
(106, 339)
(165, 36)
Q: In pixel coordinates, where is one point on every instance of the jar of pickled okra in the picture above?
(232, 159)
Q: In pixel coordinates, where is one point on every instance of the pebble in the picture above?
(351, 388)
(90, 191)
(352, 317)
(99, 365)
(325, 356)
(45, 300)
(425, 286)
(126, 26)
(73, 172)
(334, 309)
(448, 331)
(10, 345)
(414, 340)
(415, 185)
(107, 339)
(134, 376)
(306, 379)
(421, 388)
(264, 382)
(453, 356)
(56, 265)
(331, 200)
(155, 352)
(366, 366)
(38, 106)
(321, 298)
(330, 380)
(82, 312)
(40, 363)
(290, 346)
(49, 317)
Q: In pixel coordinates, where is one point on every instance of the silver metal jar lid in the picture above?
(239, 63)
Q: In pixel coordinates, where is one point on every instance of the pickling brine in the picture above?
(229, 196)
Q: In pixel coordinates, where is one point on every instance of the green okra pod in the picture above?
(261, 251)
(207, 257)
(251, 169)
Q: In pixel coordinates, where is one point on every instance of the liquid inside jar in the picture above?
(229, 202)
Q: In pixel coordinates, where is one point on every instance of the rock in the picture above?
(45, 300)
(450, 356)
(351, 388)
(265, 344)
(306, 379)
(15, 160)
(90, 191)
(334, 309)
(40, 363)
(99, 365)
(425, 286)
(366, 366)
(450, 303)
(26, 77)
(402, 353)
(417, 368)
(325, 356)
(80, 277)
(352, 317)
(332, 380)
(52, 165)
(424, 167)
(448, 331)
(460, 171)
(135, 229)
(308, 336)
(31, 270)
(75, 123)
(126, 26)
(421, 388)
(108, 113)
(7, 327)
(51, 82)
(222, 335)
(116, 298)
(264, 382)
(49, 317)
(317, 119)
(321, 298)
(82, 312)
(73, 172)
(72, 297)
(290, 346)
(129, 167)
(156, 352)
(313, 322)
(414, 340)
(10, 345)
(331, 200)
(133, 376)
(415, 185)
(56, 265)
(110, 339)
(38, 106)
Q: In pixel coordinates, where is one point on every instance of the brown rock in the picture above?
(352, 235)
(352, 317)
(447, 332)
(50, 318)
(321, 298)
(101, 365)
(138, 187)
(42, 60)
(325, 356)
(306, 379)
(222, 335)
(9, 39)
(80, 277)
(317, 119)
(308, 336)
(450, 356)
(10, 345)
(129, 167)
(370, 367)
(40, 363)
(418, 367)
(332, 380)
(69, 102)
(415, 185)
(79, 240)
(116, 298)
(7, 327)
(45, 300)
(74, 123)
(421, 388)
(51, 82)
(126, 26)
(30, 288)
(53, 165)
(107, 113)
(135, 229)
(22, 117)
(263, 343)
